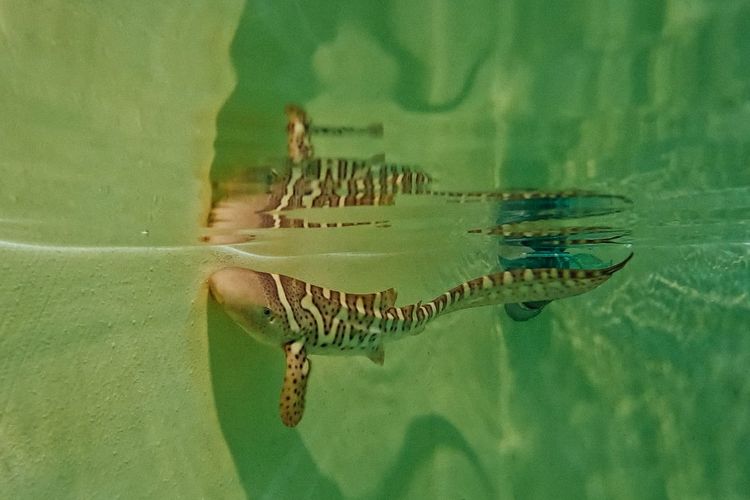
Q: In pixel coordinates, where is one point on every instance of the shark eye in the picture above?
(266, 312)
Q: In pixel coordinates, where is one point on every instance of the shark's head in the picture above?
(248, 297)
(256, 301)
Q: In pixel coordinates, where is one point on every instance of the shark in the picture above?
(305, 319)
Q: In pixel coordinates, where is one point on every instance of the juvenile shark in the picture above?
(302, 318)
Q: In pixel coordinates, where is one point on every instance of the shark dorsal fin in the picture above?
(388, 298)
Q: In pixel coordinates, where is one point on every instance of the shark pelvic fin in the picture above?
(522, 311)
(377, 355)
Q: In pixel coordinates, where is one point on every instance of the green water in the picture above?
(116, 378)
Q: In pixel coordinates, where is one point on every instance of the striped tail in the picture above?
(505, 287)
(372, 130)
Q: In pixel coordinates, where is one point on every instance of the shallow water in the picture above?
(609, 395)
(113, 367)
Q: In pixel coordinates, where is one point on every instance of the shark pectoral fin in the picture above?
(377, 355)
(292, 403)
(523, 311)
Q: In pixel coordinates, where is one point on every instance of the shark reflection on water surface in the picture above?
(311, 192)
